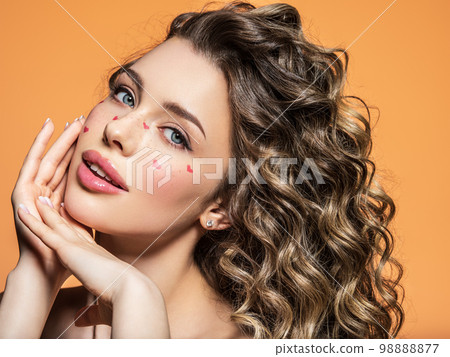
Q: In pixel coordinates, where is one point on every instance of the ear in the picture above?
(216, 215)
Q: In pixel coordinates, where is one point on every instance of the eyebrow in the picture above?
(170, 106)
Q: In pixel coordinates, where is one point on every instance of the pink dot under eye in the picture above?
(86, 129)
(189, 169)
(146, 126)
(116, 117)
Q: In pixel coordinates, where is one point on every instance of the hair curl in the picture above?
(299, 260)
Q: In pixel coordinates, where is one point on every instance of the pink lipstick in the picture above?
(99, 174)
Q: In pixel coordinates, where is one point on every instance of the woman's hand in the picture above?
(32, 286)
(43, 175)
(138, 308)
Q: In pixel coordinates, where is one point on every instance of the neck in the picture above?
(168, 262)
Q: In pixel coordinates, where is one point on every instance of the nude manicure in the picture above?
(46, 201)
(48, 119)
(49, 202)
(24, 208)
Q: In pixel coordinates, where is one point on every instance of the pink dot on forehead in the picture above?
(116, 117)
(146, 126)
(189, 169)
(86, 129)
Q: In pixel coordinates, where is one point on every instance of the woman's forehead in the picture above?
(174, 72)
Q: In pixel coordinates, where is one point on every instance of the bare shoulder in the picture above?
(60, 322)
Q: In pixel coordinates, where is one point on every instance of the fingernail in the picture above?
(62, 204)
(76, 119)
(67, 124)
(46, 201)
(49, 202)
(24, 208)
(48, 119)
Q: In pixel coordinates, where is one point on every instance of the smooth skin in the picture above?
(38, 272)
(174, 300)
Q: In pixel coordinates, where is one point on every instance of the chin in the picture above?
(75, 210)
(75, 205)
(78, 207)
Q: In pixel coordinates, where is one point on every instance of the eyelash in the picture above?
(184, 145)
(117, 88)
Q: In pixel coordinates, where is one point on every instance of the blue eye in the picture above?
(175, 138)
(123, 95)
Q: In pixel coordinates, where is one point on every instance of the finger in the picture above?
(59, 191)
(35, 244)
(57, 152)
(61, 169)
(40, 229)
(53, 219)
(30, 206)
(93, 315)
(31, 162)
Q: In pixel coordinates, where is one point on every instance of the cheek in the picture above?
(97, 119)
(92, 124)
(153, 210)
(180, 186)
(174, 185)
(95, 123)
(73, 204)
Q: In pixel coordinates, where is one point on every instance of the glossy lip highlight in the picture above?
(94, 157)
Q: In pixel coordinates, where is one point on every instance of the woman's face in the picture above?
(133, 119)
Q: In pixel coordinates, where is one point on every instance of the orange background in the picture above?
(50, 67)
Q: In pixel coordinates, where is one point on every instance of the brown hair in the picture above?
(299, 260)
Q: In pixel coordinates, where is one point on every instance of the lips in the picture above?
(99, 174)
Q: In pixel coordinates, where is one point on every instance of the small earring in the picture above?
(209, 223)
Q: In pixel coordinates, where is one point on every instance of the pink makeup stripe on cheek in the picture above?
(116, 117)
(189, 169)
(86, 129)
(146, 126)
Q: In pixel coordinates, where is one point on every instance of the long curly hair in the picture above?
(299, 260)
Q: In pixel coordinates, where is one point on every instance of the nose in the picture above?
(123, 134)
